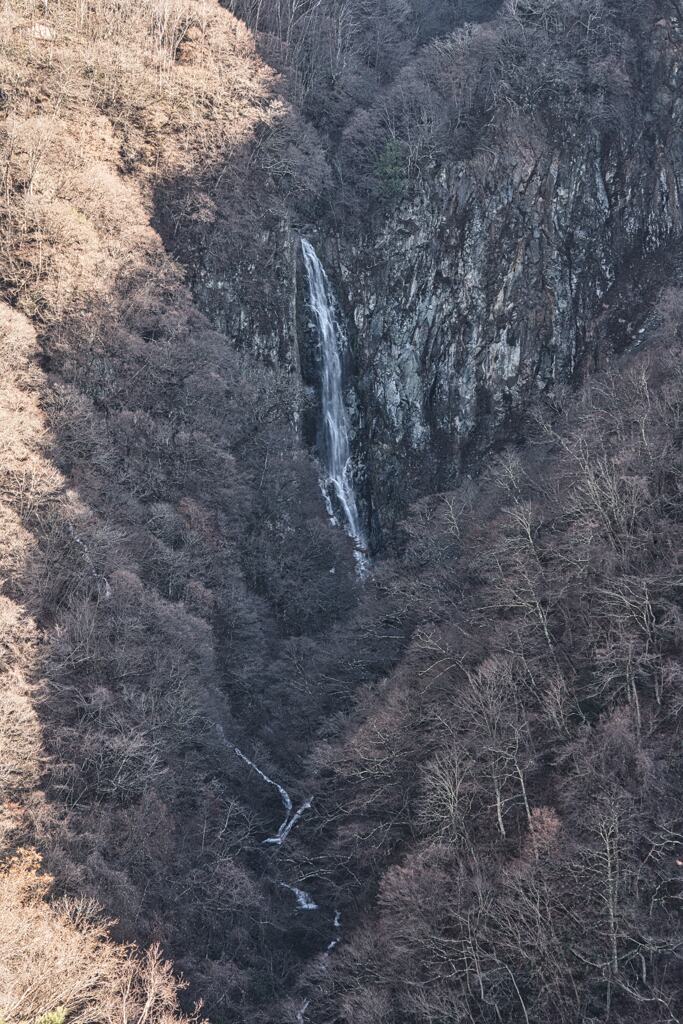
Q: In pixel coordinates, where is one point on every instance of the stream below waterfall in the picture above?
(304, 900)
(290, 819)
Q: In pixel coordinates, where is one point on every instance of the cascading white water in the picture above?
(290, 819)
(337, 925)
(304, 900)
(336, 447)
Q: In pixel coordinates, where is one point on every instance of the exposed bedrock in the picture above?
(498, 279)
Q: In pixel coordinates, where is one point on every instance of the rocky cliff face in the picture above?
(497, 281)
(252, 296)
(483, 292)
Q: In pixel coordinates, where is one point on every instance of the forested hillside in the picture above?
(508, 800)
(248, 773)
(165, 553)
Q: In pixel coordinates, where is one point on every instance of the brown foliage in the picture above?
(505, 799)
(146, 469)
(58, 958)
(540, 881)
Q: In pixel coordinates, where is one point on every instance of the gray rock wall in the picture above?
(498, 280)
(481, 293)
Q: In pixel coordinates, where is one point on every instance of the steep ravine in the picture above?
(217, 731)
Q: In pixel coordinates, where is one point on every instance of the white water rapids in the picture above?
(290, 819)
(304, 900)
(336, 447)
(337, 925)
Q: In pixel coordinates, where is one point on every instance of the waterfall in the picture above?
(336, 448)
(304, 900)
(337, 924)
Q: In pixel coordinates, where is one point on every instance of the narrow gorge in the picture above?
(341, 505)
